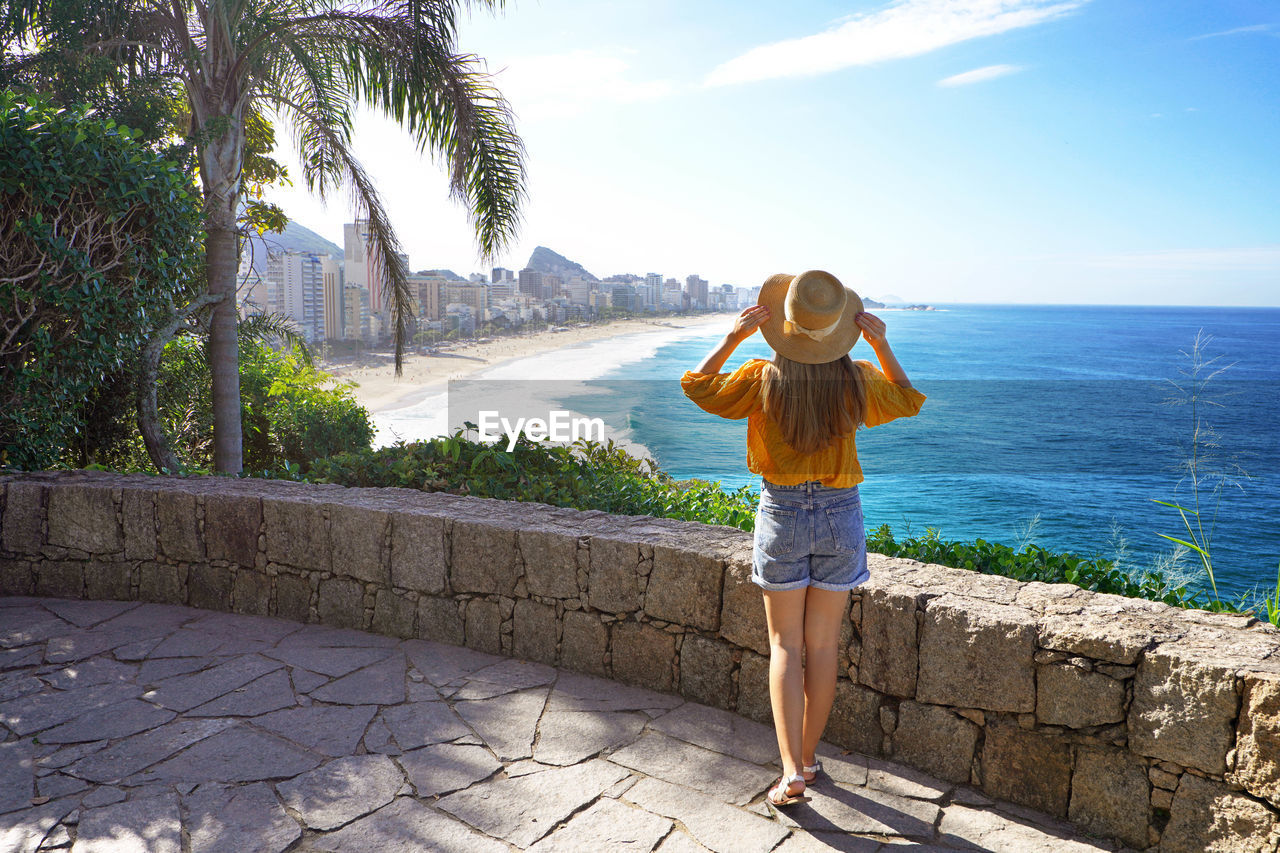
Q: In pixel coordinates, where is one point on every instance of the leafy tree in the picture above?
(98, 234)
(313, 62)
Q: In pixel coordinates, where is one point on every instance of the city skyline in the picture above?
(330, 298)
(1085, 151)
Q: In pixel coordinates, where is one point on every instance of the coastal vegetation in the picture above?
(225, 67)
(1205, 475)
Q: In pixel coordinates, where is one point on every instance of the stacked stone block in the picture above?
(1135, 720)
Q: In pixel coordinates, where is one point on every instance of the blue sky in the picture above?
(1063, 151)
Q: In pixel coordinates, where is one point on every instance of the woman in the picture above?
(802, 411)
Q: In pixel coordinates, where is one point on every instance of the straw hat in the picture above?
(810, 316)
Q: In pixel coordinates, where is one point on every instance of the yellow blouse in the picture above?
(738, 395)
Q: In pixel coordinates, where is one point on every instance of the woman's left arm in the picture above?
(873, 329)
(743, 327)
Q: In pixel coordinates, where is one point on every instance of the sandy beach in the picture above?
(379, 390)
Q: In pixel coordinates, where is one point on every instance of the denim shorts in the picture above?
(809, 535)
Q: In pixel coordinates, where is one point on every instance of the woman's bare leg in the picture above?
(785, 613)
(824, 612)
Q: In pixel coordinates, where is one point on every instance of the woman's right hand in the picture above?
(873, 328)
(748, 321)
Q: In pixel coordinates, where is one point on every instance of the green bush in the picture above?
(98, 237)
(588, 475)
(292, 414)
(1033, 563)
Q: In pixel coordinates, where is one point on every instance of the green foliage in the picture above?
(64, 60)
(1271, 603)
(1033, 563)
(291, 413)
(585, 475)
(99, 235)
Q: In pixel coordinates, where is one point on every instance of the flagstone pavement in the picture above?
(148, 727)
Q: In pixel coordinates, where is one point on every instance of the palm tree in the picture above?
(313, 62)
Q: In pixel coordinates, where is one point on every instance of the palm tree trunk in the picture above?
(224, 352)
(221, 164)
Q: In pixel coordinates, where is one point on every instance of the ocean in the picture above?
(1057, 425)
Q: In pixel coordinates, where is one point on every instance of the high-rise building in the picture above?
(251, 288)
(355, 245)
(428, 290)
(696, 287)
(334, 299)
(624, 297)
(672, 295)
(578, 289)
(501, 274)
(361, 270)
(355, 314)
(475, 295)
(504, 289)
(296, 290)
(531, 283)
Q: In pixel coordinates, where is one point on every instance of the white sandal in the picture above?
(813, 770)
(778, 795)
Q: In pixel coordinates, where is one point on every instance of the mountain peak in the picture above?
(295, 238)
(550, 262)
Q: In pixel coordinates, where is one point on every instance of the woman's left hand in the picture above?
(748, 321)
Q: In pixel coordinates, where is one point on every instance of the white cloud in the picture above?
(1248, 259)
(1255, 28)
(979, 75)
(903, 28)
(568, 84)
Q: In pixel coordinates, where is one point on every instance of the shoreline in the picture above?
(378, 390)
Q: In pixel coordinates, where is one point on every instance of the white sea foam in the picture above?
(428, 418)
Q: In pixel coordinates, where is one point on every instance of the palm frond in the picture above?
(449, 104)
(330, 134)
(399, 58)
(272, 329)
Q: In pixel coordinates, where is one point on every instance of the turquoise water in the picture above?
(1055, 412)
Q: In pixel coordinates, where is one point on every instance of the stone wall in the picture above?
(1134, 720)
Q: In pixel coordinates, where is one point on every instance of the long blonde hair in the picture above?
(813, 404)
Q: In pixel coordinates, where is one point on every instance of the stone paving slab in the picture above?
(407, 825)
(342, 790)
(443, 768)
(568, 737)
(728, 779)
(508, 723)
(607, 827)
(381, 683)
(141, 727)
(153, 824)
(270, 692)
(331, 730)
(721, 731)
(524, 809)
(243, 818)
